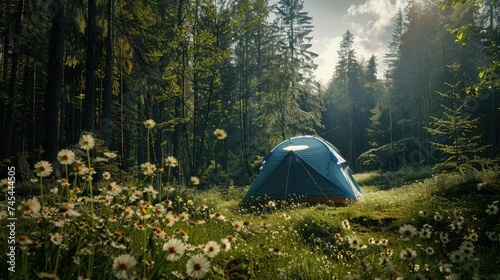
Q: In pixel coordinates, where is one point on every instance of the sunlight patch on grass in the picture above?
(361, 178)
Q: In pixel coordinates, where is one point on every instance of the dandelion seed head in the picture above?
(172, 161)
(444, 237)
(407, 232)
(195, 181)
(345, 224)
(456, 257)
(429, 251)
(30, 206)
(457, 212)
(211, 249)
(492, 209)
(4, 185)
(148, 169)
(106, 175)
(56, 238)
(355, 242)
(43, 168)
(220, 134)
(408, 254)
(197, 267)
(24, 240)
(149, 124)
(175, 249)
(493, 236)
(66, 157)
(225, 244)
(438, 217)
(473, 236)
(276, 251)
(238, 225)
(87, 142)
(124, 266)
(110, 155)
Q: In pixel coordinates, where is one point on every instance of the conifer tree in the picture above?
(393, 57)
(456, 130)
(344, 99)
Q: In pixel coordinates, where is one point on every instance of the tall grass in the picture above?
(417, 226)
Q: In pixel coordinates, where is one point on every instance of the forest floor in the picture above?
(412, 224)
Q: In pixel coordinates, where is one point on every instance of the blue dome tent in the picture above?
(305, 167)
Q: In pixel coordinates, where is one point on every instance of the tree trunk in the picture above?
(89, 103)
(54, 85)
(28, 134)
(494, 108)
(9, 132)
(179, 100)
(494, 127)
(31, 116)
(107, 101)
(244, 111)
(141, 131)
(5, 70)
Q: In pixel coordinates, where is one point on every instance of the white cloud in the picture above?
(372, 24)
(379, 7)
(370, 21)
(327, 58)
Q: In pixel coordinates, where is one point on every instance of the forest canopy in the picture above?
(199, 67)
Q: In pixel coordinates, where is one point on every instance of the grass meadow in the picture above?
(94, 224)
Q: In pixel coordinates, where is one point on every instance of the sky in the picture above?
(370, 21)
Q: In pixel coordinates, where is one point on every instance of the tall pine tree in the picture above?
(456, 130)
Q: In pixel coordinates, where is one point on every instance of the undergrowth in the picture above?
(413, 224)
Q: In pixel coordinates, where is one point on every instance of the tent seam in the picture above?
(310, 175)
(288, 176)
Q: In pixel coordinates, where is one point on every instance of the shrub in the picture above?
(390, 156)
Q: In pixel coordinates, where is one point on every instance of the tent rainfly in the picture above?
(305, 167)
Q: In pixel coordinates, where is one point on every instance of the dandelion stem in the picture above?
(152, 184)
(91, 262)
(57, 259)
(216, 171)
(145, 248)
(24, 263)
(160, 187)
(90, 186)
(67, 177)
(147, 142)
(59, 251)
(41, 192)
(168, 178)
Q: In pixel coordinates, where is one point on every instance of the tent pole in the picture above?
(310, 175)
(288, 176)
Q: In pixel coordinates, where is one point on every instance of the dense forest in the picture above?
(244, 67)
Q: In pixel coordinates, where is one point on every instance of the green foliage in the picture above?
(213, 176)
(295, 27)
(457, 130)
(389, 156)
(286, 104)
(193, 66)
(393, 57)
(299, 241)
(316, 227)
(390, 179)
(348, 101)
(485, 31)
